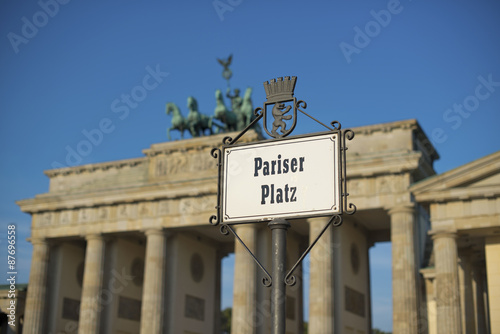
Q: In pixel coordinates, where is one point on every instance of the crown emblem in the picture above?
(280, 89)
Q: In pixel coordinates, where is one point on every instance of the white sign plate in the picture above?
(295, 177)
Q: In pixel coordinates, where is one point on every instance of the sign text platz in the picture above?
(288, 178)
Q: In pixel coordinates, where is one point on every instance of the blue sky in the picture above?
(67, 68)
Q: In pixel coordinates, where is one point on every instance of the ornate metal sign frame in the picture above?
(280, 93)
(300, 178)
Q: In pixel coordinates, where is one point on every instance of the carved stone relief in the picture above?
(208, 203)
(84, 215)
(103, 213)
(194, 308)
(383, 185)
(192, 205)
(174, 163)
(46, 219)
(187, 206)
(145, 209)
(163, 207)
(65, 217)
(202, 161)
(123, 211)
(151, 208)
(354, 301)
(161, 167)
(182, 162)
(355, 187)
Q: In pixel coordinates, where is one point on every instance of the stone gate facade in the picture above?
(125, 246)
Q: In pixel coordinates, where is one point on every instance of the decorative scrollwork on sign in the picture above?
(215, 152)
(267, 281)
(301, 104)
(336, 220)
(348, 208)
(349, 134)
(227, 140)
(215, 219)
(258, 112)
(290, 280)
(224, 229)
(351, 208)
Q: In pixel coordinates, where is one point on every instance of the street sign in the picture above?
(284, 178)
(287, 177)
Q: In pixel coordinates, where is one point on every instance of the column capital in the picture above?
(443, 234)
(93, 236)
(38, 241)
(154, 231)
(403, 208)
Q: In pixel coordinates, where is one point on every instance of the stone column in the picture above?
(37, 288)
(447, 284)
(404, 271)
(492, 250)
(153, 291)
(466, 291)
(321, 299)
(478, 285)
(90, 307)
(429, 279)
(369, 245)
(219, 255)
(244, 289)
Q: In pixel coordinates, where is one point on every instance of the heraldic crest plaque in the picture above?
(283, 106)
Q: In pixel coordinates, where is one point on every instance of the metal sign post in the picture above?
(268, 181)
(278, 289)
